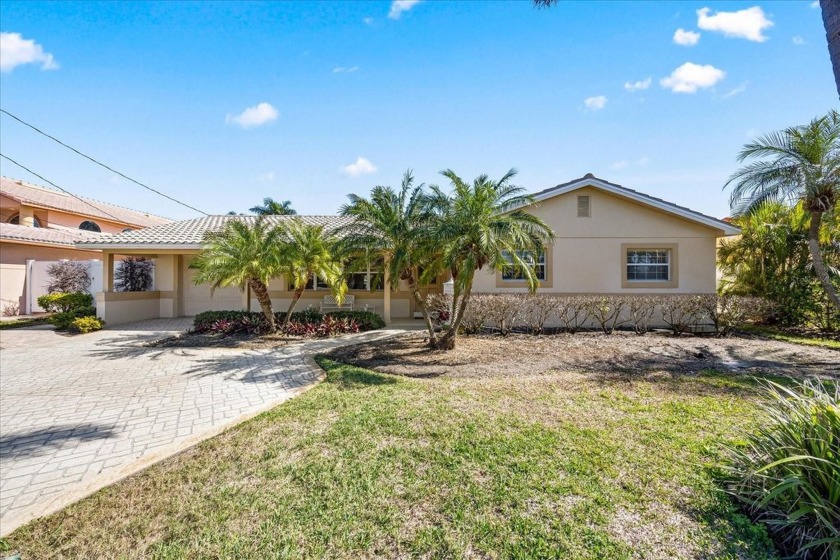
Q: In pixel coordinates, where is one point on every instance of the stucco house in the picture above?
(610, 239)
(42, 224)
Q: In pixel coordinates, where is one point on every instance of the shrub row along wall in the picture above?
(683, 313)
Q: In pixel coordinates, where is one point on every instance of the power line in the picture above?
(111, 169)
(4, 156)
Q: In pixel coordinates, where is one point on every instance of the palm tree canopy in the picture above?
(307, 250)
(237, 254)
(798, 163)
(484, 224)
(271, 207)
(392, 225)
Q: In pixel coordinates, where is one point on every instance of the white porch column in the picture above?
(386, 304)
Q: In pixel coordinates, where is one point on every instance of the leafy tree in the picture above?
(271, 207)
(798, 164)
(771, 259)
(68, 276)
(135, 274)
(394, 226)
(307, 251)
(244, 253)
(480, 226)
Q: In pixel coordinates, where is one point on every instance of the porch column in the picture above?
(386, 304)
(107, 271)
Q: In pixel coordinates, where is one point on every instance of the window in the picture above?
(538, 264)
(126, 230)
(648, 265)
(87, 225)
(313, 281)
(16, 220)
(365, 275)
(583, 206)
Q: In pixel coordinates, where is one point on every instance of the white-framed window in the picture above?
(583, 207)
(537, 263)
(648, 265)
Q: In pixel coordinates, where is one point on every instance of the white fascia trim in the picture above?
(664, 206)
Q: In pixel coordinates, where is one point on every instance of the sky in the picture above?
(222, 104)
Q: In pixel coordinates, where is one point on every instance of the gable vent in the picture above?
(583, 206)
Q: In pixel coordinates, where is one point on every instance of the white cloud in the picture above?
(15, 51)
(400, 6)
(686, 38)
(257, 115)
(637, 86)
(735, 91)
(797, 40)
(643, 161)
(690, 77)
(361, 166)
(595, 103)
(746, 24)
(368, 21)
(345, 70)
(620, 164)
(269, 176)
(815, 4)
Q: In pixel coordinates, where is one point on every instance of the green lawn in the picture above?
(775, 334)
(19, 323)
(368, 465)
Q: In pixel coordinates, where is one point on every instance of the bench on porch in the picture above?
(329, 303)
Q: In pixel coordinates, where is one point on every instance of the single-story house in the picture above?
(43, 224)
(610, 240)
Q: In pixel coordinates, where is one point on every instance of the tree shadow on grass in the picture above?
(347, 376)
(32, 443)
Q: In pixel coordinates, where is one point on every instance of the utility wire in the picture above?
(4, 156)
(111, 169)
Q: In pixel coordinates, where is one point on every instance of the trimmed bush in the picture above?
(243, 322)
(83, 325)
(366, 320)
(787, 473)
(63, 320)
(60, 302)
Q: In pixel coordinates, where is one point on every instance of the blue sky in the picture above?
(161, 91)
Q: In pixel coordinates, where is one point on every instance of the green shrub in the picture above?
(60, 302)
(367, 320)
(63, 320)
(88, 324)
(787, 473)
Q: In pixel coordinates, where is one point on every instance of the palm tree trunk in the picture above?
(816, 257)
(261, 293)
(415, 292)
(831, 22)
(447, 341)
(295, 300)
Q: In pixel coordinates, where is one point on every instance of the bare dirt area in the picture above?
(212, 340)
(620, 353)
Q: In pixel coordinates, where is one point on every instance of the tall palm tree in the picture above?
(271, 207)
(800, 163)
(483, 226)
(831, 22)
(394, 226)
(308, 251)
(243, 254)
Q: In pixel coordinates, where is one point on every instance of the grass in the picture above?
(783, 336)
(19, 323)
(368, 465)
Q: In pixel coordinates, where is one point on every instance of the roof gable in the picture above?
(42, 197)
(589, 180)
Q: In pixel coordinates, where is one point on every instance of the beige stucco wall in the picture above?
(116, 308)
(13, 257)
(587, 255)
(199, 298)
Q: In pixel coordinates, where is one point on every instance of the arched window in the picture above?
(87, 225)
(126, 230)
(16, 220)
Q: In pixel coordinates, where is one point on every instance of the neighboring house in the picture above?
(41, 224)
(610, 239)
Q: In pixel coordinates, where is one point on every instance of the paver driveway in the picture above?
(77, 413)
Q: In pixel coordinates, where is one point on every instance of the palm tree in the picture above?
(483, 225)
(271, 207)
(243, 254)
(831, 22)
(394, 226)
(800, 163)
(306, 252)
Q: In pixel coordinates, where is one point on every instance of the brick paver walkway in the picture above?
(78, 413)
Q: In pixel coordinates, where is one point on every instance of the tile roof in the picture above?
(190, 233)
(42, 197)
(47, 236)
